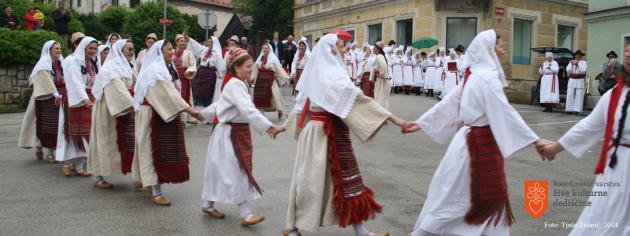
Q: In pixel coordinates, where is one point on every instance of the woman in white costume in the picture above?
(327, 187)
(73, 141)
(430, 75)
(549, 82)
(468, 192)
(112, 132)
(267, 78)
(608, 120)
(41, 120)
(408, 76)
(299, 61)
(228, 175)
(397, 61)
(417, 74)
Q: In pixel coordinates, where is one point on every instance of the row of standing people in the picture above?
(412, 72)
(550, 83)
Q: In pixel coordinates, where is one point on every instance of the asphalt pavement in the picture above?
(35, 199)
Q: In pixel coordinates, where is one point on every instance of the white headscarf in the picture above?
(78, 56)
(116, 66)
(297, 52)
(45, 61)
(74, 84)
(325, 80)
(271, 57)
(548, 54)
(153, 69)
(109, 39)
(481, 55)
(99, 60)
(451, 52)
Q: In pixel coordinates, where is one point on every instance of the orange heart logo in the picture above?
(536, 197)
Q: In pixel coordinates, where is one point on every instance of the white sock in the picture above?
(79, 163)
(98, 179)
(360, 229)
(293, 232)
(157, 190)
(38, 148)
(244, 209)
(68, 163)
(208, 205)
(51, 152)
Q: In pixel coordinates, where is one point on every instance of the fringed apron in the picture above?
(262, 89)
(353, 202)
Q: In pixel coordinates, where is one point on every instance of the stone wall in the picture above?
(14, 89)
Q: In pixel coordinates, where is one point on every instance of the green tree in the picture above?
(268, 15)
(93, 25)
(23, 47)
(114, 18)
(146, 19)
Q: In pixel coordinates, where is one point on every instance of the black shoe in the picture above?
(568, 113)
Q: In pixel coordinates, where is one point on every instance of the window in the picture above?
(309, 41)
(564, 38)
(351, 32)
(78, 3)
(522, 42)
(460, 31)
(404, 32)
(114, 2)
(375, 33)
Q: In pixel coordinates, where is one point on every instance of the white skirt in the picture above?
(408, 75)
(224, 181)
(67, 150)
(448, 198)
(398, 75)
(611, 213)
(546, 96)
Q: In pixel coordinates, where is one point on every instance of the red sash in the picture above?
(243, 149)
(262, 90)
(352, 200)
(488, 185)
(366, 85)
(125, 138)
(610, 121)
(181, 71)
(79, 122)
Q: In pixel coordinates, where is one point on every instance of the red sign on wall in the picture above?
(166, 22)
(499, 11)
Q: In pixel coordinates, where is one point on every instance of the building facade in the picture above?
(523, 24)
(222, 8)
(602, 37)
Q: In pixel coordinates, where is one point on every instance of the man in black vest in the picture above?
(276, 47)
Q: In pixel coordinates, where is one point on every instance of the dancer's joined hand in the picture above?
(409, 127)
(274, 130)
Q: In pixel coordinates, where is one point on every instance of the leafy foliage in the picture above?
(24, 47)
(114, 18)
(268, 15)
(93, 26)
(145, 19)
